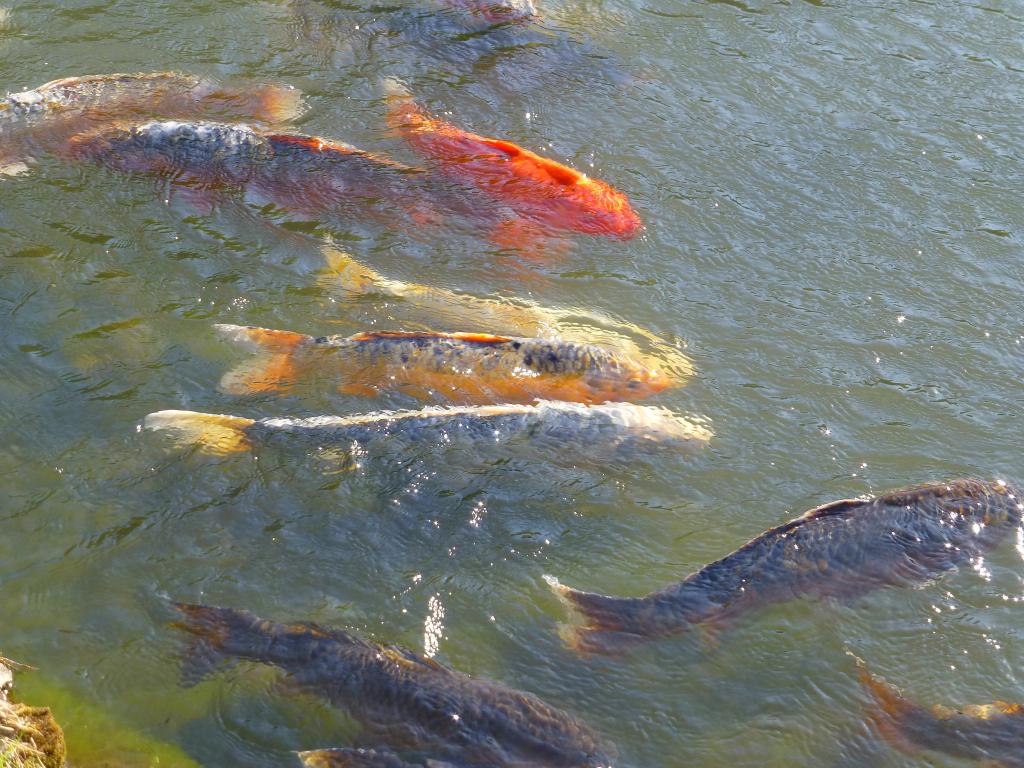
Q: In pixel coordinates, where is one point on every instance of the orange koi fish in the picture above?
(991, 733)
(46, 117)
(540, 190)
(465, 367)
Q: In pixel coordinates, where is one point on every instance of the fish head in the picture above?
(628, 380)
(603, 210)
(643, 380)
(646, 425)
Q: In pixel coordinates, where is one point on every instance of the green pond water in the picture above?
(832, 199)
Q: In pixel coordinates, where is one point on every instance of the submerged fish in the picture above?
(602, 429)
(520, 316)
(839, 550)
(500, 45)
(543, 191)
(433, 714)
(44, 118)
(993, 733)
(465, 367)
(295, 171)
(497, 11)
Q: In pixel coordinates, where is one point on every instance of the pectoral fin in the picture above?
(531, 240)
(275, 369)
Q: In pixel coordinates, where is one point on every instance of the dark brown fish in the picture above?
(304, 174)
(841, 550)
(421, 709)
(992, 732)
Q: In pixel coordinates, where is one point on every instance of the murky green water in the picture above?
(832, 200)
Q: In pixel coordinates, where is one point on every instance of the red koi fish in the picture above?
(539, 190)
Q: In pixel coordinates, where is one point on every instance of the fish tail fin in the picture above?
(279, 104)
(213, 433)
(403, 111)
(611, 625)
(892, 709)
(14, 168)
(395, 89)
(343, 271)
(211, 629)
(273, 370)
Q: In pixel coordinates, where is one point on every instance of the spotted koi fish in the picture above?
(604, 429)
(543, 191)
(990, 733)
(842, 550)
(295, 171)
(520, 316)
(44, 118)
(435, 715)
(464, 367)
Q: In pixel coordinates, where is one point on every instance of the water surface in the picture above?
(833, 233)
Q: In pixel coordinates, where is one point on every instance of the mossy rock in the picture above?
(47, 737)
(34, 741)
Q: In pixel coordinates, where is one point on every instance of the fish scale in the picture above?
(465, 367)
(403, 699)
(840, 550)
(598, 430)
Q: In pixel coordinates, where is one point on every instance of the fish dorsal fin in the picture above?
(314, 629)
(831, 509)
(314, 143)
(406, 658)
(481, 338)
(472, 338)
(834, 508)
(561, 174)
(995, 709)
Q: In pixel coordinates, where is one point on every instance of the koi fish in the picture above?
(493, 42)
(543, 191)
(295, 171)
(413, 703)
(521, 316)
(604, 429)
(503, 11)
(465, 367)
(44, 118)
(993, 733)
(840, 550)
